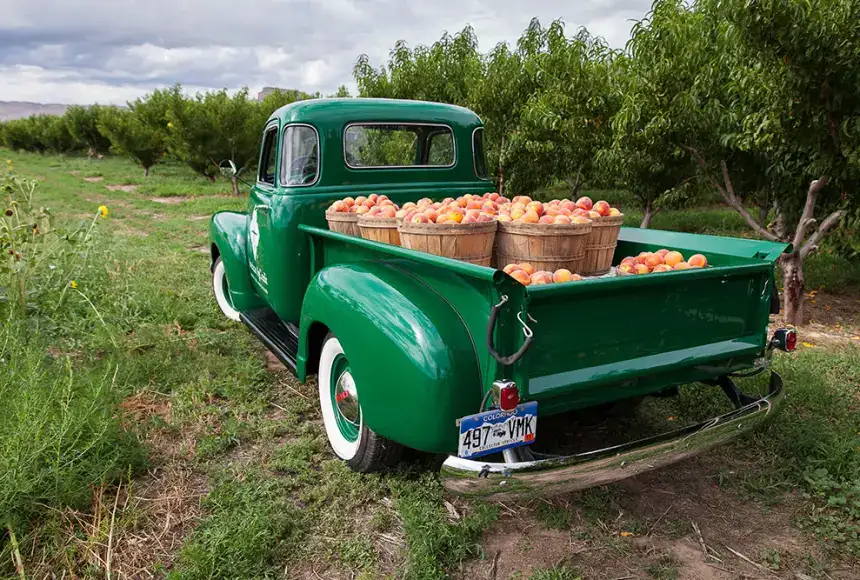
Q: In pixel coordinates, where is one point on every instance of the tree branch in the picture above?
(806, 218)
(828, 224)
(728, 195)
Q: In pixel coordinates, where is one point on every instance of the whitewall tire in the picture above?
(349, 437)
(222, 291)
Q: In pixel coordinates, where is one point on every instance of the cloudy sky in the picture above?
(110, 51)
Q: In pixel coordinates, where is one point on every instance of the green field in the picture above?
(143, 435)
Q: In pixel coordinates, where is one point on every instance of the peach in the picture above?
(581, 212)
(473, 212)
(431, 214)
(454, 216)
(681, 266)
(673, 258)
(546, 219)
(568, 205)
(485, 217)
(474, 205)
(360, 200)
(535, 206)
(540, 278)
(517, 213)
(504, 218)
(575, 277)
(626, 268)
(551, 211)
(653, 261)
(527, 268)
(561, 219)
(521, 277)
(562, 275)
(531, 217)
(578, 219)
(523, 199)
(470, 219)
(408, 205)
(373, 197)
(602, 208)
(614, 212)
(349, 201)
(339, 206)
(362, 209)
(662, 253)
(585, 203)
(662, 268)
(698, 261)
(388, 211)
(442, 218)
(640, 259)
(381, 198)
(628, 260)
(493, 196)
(641, 269)
(510, 268)
(593, 215)
(419, 218)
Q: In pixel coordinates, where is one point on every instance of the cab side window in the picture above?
(268, 159)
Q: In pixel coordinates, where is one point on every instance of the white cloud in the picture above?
(113, 51)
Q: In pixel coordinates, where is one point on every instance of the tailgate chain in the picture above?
(491, 325)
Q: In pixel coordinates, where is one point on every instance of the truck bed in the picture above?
(600, 339)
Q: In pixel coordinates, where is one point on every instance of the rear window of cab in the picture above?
(398, 145)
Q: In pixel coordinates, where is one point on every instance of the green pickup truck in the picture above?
(442, 356)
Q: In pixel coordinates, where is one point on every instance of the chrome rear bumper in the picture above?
(583, 470)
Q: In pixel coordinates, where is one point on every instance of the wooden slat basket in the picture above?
(471, 243)
(544, 246)
(343, 222)
(600, 245)
(382, 230)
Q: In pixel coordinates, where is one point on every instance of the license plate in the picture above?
(497, 430)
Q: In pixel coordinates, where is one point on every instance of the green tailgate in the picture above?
(605, 339)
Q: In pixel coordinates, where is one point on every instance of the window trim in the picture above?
(284, 152)
(260, 182)
(403, 124)
(475, 159)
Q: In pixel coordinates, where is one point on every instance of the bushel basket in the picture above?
(382, 230)
(545, 246)
(600, 245)
(471, 243)
(343, 222)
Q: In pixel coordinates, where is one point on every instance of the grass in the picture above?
(274, 498)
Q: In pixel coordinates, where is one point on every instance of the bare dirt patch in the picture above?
(170, 200)
(125, 188)
(644, 525)
(198, 218)
(830, 320)
(93, 179)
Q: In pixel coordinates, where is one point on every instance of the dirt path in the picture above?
(645, 527)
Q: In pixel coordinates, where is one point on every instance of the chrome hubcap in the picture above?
(346, 398)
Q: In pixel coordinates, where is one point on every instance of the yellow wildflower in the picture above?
(103, 211)
(73, 284)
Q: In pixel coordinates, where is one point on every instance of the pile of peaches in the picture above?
(473, 208)
(660, 261)
(371, 206)
(526, 275)
(523, 210)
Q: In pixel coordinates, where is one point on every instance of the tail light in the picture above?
(506, 395)
(784, 339)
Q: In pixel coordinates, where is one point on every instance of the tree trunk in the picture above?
(576, 185)
(501, 168)
(792, 287)
(211, 178)
(146, 171)
(235, 183)
(649, 215)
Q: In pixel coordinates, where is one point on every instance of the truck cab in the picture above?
(420, 351)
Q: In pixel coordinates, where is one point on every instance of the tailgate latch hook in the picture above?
(491, 327)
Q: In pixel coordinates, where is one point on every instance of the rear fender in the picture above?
(412, 357)
(228, 236)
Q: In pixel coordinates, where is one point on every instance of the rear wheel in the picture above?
(350, 439)
(222, 291)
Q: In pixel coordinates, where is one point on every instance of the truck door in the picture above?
(259, 209)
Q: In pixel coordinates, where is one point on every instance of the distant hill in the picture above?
(18, 109)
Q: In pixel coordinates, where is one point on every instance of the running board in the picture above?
(281, 338)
